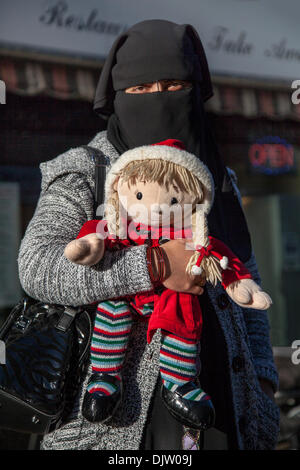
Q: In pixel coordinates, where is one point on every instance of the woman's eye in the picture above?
(139, 195)
(139, 89)
(175, 85)
(178, 85)
(174, 201)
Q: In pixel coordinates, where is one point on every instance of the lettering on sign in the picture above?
(222, 42)
(58, 14)
(271, 156)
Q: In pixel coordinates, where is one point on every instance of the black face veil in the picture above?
(156, 50)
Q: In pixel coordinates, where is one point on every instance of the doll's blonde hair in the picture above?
(163, 172)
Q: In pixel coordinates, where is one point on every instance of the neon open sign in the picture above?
(271, 156)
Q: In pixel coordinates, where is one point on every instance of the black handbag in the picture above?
(46, 353)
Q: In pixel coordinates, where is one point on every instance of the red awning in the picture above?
(252, 102)
(28, 77)
(31, 78)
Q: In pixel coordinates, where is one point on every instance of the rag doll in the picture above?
(153, 194)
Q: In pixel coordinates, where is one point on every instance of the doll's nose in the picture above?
(156, 208)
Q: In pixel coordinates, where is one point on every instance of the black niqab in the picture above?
(156, 50)
(148, 51)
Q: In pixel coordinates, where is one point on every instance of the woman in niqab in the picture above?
(153, 87)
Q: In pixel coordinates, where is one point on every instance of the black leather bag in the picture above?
(46, 353)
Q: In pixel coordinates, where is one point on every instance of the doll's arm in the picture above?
(246, 293)
(87, 251)
(238, 282)
(88, 248)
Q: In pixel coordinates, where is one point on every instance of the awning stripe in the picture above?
(60, 82)
(284, 105)
(231, 99)
(249, 104)
(28, 77)
(85, 83)
(35, 78)
(8, 74)
(297, 110)
(253, 102)
(266, 103)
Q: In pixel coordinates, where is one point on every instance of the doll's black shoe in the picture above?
(193, 414)
(97, 407)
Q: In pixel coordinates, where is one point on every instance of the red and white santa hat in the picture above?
(170, 150)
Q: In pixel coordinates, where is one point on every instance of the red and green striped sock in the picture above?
(178, 365)
(109, 342)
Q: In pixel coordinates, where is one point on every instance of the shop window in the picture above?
(274, 224)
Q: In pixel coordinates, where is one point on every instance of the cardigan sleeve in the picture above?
(45, 274)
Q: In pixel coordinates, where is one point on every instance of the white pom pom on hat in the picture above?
(196, 270)
(224, 262)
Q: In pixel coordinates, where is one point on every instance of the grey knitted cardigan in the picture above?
(65, 203)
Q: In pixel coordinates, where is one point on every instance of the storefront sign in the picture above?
(271, 156)
(251, 38)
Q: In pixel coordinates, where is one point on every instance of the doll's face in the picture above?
(155, 205)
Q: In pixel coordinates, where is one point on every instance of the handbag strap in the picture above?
(101, 164)
(67, 318)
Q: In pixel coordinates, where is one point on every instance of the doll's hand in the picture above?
(247, 293)
(87, 250)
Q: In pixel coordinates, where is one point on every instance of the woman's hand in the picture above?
(177, 256)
